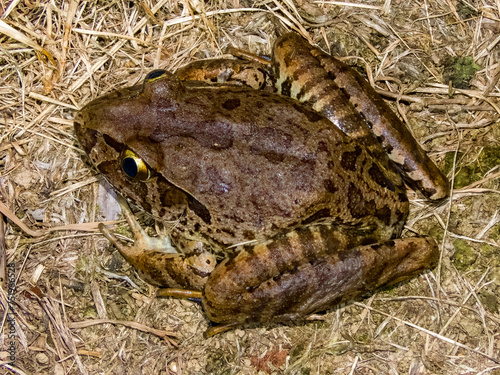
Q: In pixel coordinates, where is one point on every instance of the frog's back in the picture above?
(238, 164)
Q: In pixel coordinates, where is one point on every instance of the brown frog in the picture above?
(305, 216)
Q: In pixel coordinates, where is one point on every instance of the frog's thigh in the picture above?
(231, 294)
(230, 71)
(418, 169)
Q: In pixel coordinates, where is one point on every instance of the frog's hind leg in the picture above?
(310, 75)
(157, 261)
(306, 271)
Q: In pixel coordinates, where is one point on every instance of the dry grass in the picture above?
(57, 57)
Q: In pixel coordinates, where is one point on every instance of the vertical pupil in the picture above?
(130, 167)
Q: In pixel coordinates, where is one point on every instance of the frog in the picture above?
(300, 214)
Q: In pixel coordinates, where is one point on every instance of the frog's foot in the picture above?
(157, 261)
(245, 55)
(225, 71)
(195, 295)
(305, 272)
(219, 328)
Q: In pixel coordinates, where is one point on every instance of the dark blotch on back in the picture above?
(330, 186)
(199, 209)
(379, 177)
(231, 104)
(384, 215)
(325, 212)
(286, 87)
(349, 159)
(311, 115)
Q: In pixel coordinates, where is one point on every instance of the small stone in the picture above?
(42, 358)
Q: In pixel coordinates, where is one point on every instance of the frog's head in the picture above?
(116, 128)
(127, 116)
(130, 111)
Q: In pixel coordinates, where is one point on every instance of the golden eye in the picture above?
(134, 166)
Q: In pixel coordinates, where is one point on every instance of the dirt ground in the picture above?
(71, 304)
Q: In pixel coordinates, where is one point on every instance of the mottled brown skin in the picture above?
(225, 173)
(270, 287)
(308, 74)
(233, 165)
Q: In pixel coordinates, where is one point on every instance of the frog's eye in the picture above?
(134, 166)
(154, 74)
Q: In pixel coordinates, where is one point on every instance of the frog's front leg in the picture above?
(157, 261)
(306, 271)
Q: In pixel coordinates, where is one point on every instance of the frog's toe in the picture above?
(157, 261)
(219, 328)
(142, 239)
